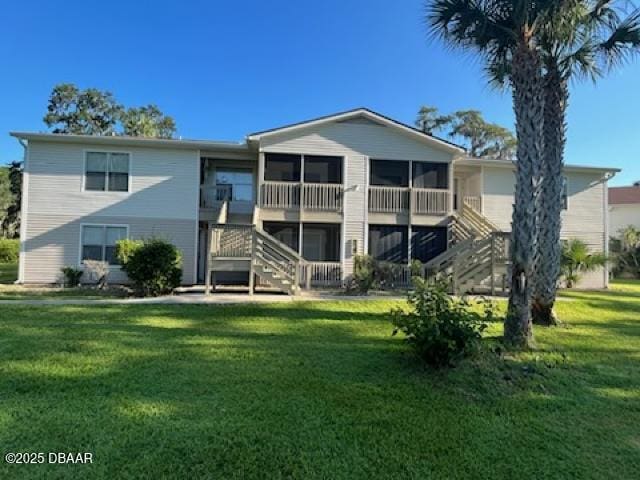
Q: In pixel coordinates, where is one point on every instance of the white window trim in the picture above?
(107, 151)
(104, 225)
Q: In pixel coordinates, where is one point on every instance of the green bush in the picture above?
(629, 262)
(153, 266)
(363, 274)
(440, 328)
(72, 276)
(9, 250)
(126, 248)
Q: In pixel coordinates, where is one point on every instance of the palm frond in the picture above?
(623, 42)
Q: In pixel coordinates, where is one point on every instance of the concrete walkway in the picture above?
(199, 299)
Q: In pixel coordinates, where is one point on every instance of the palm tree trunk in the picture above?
(547, 268)
(528, 100)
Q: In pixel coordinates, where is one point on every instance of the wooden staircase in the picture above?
(242, 247)
(477, 259)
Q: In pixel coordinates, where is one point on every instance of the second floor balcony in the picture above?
(416, 187)
(308, 182)
(309, 196)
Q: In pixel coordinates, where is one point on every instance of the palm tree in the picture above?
(504, 33)
(585, 40)
(576, 260)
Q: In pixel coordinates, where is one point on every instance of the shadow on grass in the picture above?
(293, 390)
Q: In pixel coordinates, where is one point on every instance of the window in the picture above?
(99, 242)
(235, 184)
(430, 175)
(321, 242)
(565, 194)
(391, 173)
(286, 233)
(388, 243)
(428, 242)
(106, 172)
(322, 169)
(280, 167)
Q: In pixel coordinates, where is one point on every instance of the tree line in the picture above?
(72, 110)
(469, 128)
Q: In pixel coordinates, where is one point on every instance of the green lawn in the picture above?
(315, 390)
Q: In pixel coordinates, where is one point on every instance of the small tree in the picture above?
(577, 260)
(153, 266)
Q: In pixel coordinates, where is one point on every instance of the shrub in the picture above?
(363, 273)
(416, 268)
(153, 266)
(9, 250)
(440, 328)
(126, 247)
(98, 271)
(629, 262)
(577, 260)
(72, 276)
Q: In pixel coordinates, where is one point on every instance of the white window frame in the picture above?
(106, 177)
(105, 226)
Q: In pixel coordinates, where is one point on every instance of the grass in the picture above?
(20, 292)
(315, 390)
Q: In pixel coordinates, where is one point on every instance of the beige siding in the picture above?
(164, 183)
(357, 141)
(355, 214)
(163, 202)
(53, 241)
(621, 216)
(584, 218)
(340, 138)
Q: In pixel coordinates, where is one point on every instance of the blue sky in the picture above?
(226, 68)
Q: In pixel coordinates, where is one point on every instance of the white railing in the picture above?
(474, 202)
(211, 196)
(231, 241)
(431, 201)
(388, 199)
(280, 195)
(322, 196)
(322, 274)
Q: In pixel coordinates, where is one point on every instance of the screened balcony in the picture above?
(310, 182)
(401, 186)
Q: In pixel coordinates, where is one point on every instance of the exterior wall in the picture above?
(357, 142)
(621, 216)
(585, 217)
(163, 201)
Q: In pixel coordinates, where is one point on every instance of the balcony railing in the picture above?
(322, 196)
(322, 274)
(388, 199)
(315, 196)
(475, 202)
(429, 201)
